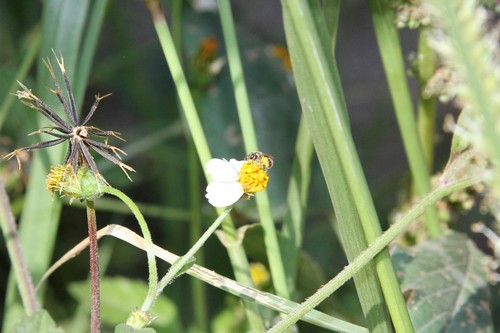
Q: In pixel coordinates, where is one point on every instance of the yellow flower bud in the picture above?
(83, 185)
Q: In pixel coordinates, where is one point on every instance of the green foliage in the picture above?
(119, 296)
(198, 87)
(445, 281)
(39, 322)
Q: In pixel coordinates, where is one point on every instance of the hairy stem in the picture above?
(95, 311)
(181, 263)
(16, 254)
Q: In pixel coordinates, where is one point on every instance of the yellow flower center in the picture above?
(253, 178)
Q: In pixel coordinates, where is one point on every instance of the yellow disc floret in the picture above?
(253, 178)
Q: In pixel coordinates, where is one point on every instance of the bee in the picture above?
(263, 160)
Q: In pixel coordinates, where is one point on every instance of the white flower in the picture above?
(225, 188)
(234, 179)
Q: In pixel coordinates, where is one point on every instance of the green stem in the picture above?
(199, 297)
(391, 52)
(95, 308)
(426, 106)
(16, 254)
(376, 247)
(153, 273)
(183, 91)
(195, 229)
(181, 263)
(250, 139)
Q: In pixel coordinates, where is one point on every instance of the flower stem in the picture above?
(153, 274)
(95, 310)
(378, 245)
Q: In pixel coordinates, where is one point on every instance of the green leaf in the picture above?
(230, 319)
(446, 281)
(120, 295)
(40, 322)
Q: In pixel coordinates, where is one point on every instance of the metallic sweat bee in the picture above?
(263, 160)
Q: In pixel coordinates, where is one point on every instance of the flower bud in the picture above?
(139, 319)
(83, 185)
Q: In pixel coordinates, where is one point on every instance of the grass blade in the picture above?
(325, 112)
(247, 126)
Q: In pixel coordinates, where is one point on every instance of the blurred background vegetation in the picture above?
(129, 63)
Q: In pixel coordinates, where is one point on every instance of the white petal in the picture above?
(222, 170)
(220, 194)
(236, 164)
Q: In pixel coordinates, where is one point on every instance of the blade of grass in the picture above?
(298, 191)
(248, 130)
(392, 58)
(236, 252)
(332, 14)
(90, 40)
(27, 62)
(349, 225)
(352, 236)
(329, 115)
(351, 230)
(199, 296)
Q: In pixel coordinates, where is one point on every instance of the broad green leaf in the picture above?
(446, 283)
(40, 322)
